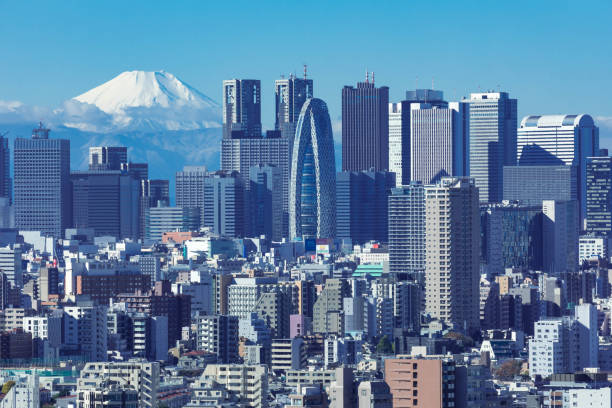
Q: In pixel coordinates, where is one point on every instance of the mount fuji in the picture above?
(161, 119)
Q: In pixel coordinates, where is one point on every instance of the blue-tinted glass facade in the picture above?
(533, 184)
(599, 195)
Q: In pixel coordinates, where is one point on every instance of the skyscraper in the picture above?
(361, 205)
(312, 194)
(452, 254)
(166, 219)
(493, 123)
(42, 183)
(407, 231)
(400, 132)
(152, 193)
(533, 184)
(189, 187)
(107, 157)
(266, 202)
(241, 108)
(5, 169)
(599, 195)
(439, 141)
(365, 127)
(559, 140)
(106, 201)
(560, 236)
(224, 204)
(290, 95)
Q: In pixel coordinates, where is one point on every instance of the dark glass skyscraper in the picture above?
(365, 127)
(312, 195)
(107, 157)
(361, 205)
(5, 168)
(265, 196)
(152, 194)
(533, 184)
(599, 195)
(42, 184)
(241, 108)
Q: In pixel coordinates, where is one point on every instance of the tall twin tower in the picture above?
(300, 146)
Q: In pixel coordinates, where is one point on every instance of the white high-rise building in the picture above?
(86, 331)
(399, 142)
(248, 382)
(452, 254)
(553, 348)
(438, 141)
(559, 140)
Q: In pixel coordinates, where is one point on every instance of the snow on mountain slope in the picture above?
(145, 101)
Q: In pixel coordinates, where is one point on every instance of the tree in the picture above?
(508, 370)
(384, 346)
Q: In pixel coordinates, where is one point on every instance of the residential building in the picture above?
(218, 334)
(86, 331)
(247, 382)
(452, 236)
(328, 314)
(407, 231)
(288, 354)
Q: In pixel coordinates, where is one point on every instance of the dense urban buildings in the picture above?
(444, 264)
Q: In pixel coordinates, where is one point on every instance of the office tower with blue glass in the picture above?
(224, 204)
(107, 157)
(42, 184)
(290, 95)
(559, 140)
(406, 222)
(312, 195)
(438, 141)
(365, 127)
(511, 236)
(561, 226)
(362, 205)
(107, 201)
(189, 187)
(492, 140)
(599, 196)
(265, 200)
(241, 108)
(532, 184)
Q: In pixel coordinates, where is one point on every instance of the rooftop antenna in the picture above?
(372, 77)
(367, 76)
(416, 83)
(432, 83)
(305, 71)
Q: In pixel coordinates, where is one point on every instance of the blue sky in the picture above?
(554, 56)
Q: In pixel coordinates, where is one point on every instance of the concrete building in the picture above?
(362, 205)
(342, 389)
(290, 95)
(365, 127)
(288, 354)
(592, 247)
(10, 264)
(453, 252)
(153, 193)
(493, 123)
(328, 315)
(218, 334)
(42, 184)
(559, 140)
(86, 331)
(374, 394)
(247, 382)
(138, 375)
(421, 382)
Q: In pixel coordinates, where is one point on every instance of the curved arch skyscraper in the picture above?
(312, 194)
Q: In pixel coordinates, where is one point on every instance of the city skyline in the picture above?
(74, 65)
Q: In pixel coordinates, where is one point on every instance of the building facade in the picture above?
(241, 108)
(599, 195)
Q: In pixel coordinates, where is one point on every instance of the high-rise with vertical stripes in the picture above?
(493, 121)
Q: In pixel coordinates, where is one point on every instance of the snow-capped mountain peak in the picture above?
(133, 89)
